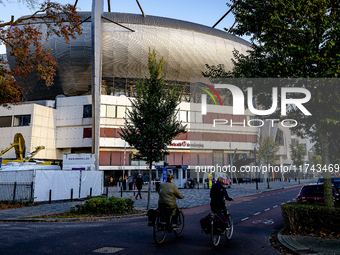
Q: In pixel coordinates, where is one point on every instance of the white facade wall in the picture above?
(70, 122)
(40, 132)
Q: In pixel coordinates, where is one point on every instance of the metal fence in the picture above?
(17, 191)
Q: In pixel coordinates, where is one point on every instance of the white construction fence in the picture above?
(49, 185)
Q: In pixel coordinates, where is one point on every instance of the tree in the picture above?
(297, 154)
(23, 41)
(295, 39)
(316, 159)
(216, 71)
(152, 123)
(267, 152)
(334, 148)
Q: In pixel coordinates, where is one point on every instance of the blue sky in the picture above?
(201, 12)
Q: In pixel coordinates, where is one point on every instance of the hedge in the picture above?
(310, 218)
(112, 205)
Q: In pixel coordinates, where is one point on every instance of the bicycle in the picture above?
(191, 184)
(216, 231)
(160, 227)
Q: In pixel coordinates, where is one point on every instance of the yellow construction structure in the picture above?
(20, 149)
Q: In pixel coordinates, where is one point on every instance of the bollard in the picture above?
(121, 191)
(50, 196)
(15, 188)
(134, 189)
(91, 192)
(107, 192)
(31, 199)
(71, 194)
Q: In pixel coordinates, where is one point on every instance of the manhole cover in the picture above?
(108, 250)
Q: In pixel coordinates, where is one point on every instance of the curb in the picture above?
(73, 219)
(289, 242)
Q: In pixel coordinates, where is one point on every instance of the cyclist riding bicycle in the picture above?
(168, 192)
(218, 195)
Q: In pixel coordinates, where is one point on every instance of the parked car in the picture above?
(334, 180)
(313, 193)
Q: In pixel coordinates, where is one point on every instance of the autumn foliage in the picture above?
(23, 37)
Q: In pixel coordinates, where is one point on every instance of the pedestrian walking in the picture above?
(139, 184)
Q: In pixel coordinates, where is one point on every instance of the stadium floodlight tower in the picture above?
(97, 39)
(96, 34)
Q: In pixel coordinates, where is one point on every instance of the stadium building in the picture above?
(83, 111)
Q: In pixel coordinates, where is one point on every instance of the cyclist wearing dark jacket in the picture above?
(218, 194)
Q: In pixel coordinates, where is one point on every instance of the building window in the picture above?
(103, 111)
(111, 111)
(87, 133)
(87, 112)
(120, 112)
(183, 116)
(127, 109)
(22, 120)
(198, 117)
(279, 137)
(175, 174)
(6, 121)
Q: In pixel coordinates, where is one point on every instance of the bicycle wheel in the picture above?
(215, 238)
(159, 232)
(180, 223)
(230, 228)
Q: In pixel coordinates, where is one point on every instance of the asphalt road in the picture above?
(255, 218)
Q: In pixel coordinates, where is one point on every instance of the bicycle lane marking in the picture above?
(206, 208)
(268, 219)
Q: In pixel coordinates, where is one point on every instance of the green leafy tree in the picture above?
(334, 148)
(152, 123)
(267, 152)
(295, 39)
(316, 159)
(297, 154)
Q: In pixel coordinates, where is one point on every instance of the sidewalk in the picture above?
(193, 198)
(310, 244)
(201, 196)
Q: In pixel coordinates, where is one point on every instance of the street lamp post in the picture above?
(257, 186)
(231, 164)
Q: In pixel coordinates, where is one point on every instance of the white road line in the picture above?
(245, 219)
(267, 209)
(257, 213)
(275, 206)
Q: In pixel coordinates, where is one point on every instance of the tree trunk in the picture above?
(267, 176)
(327, 185)
(149, 186)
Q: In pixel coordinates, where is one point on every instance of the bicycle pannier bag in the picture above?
(220, 222)
(205, 224)
(151, 217)
(165, 215)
